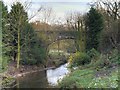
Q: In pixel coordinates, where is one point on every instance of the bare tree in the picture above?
(111, 13)
(75, 22)
(112, 7)
(47, 15)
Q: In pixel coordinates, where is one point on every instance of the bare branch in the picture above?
(38, 11)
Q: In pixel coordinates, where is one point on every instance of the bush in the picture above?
(4, 62)
(27, 59)
(32, 51)
(79, 58)
(93, 53)
(102, 62)
(36, 55)
(114, 57)
(108, 60)
(39, 54)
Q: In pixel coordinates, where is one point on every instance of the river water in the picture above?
(43, 79)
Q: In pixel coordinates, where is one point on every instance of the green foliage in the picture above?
(85, 79)
(17, 19)
(106, 81)
(7, 81)
(94, 54)
(28, 60)
(94, 23)
(5, 37)
(102, 62)
(79, 58)
(105, 60)
(114, 57)
(31, 50)
(16, 24)
(5, 62)
(39, 54)
(78, 78)
(118, 59)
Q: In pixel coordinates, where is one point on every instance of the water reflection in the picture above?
(42, 79)
(34, 80)
(53, 75)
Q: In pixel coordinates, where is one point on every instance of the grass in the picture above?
(106, 81)
(78, 78)
(86, 79)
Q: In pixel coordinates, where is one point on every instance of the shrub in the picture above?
(94, 56)
(114, 57)
(28, 60)
(108, 60)
(4, 62)
(93, 53)
(79, 58)
(102, 62)
(36, 55)
(39, 54)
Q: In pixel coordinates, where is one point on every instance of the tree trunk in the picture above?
(18, 57)
(14, 56)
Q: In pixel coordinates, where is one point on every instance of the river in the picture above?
(43, 79)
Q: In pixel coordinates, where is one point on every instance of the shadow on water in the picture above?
(34, 80)
(42, 79)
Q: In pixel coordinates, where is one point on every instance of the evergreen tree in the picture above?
(5, 36)
(94, 24)
(31, 50)
(18, 19)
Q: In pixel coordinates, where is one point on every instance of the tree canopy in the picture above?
(94, 24)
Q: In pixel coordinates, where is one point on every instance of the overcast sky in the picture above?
(60, 7)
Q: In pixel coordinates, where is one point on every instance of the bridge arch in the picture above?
(57, 41)
(61, 38)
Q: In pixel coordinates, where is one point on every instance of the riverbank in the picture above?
(9, 76)
(25, 69)
(91, 78)
(42, 79)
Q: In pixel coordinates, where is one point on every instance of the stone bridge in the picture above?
(54, 36)
(61, 38)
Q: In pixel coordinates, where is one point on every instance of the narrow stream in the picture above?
(53, 75)
(43, 79)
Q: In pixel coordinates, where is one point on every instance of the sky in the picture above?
(60, 7)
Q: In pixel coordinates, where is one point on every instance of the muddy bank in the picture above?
(42, 79)
(24, 69)
(9, 76)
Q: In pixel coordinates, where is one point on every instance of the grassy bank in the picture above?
(91, 78)
(94, 70)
